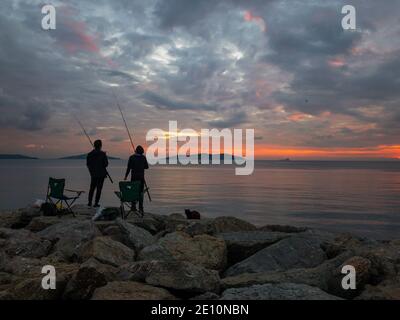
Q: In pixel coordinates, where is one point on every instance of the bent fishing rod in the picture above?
(130, 138)
(90, 140)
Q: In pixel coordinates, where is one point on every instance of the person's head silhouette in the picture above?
(139, 150)
(97, 144)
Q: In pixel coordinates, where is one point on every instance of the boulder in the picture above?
(341, 243)
(5, 278)
(386, 290)
(363, 268)
(83, 283)
(114, 232)
(176, 275)
(172, 225)
(289, 253)
(32, 267)
(40, 223)
(131, 290)
(384, 258)
(282, 291)
(148, 223)
(23, 243)
(206, 296)
(69, 236)
(18, 219)
(198, 227)
(320, 276)
(231, 224)
(107, 251)
(10, 219)
(243, 244)
(31, 289)
(29, 286)
(177, 216)
(202, 250)
(135, 237)
(155, 252)
(110, 273)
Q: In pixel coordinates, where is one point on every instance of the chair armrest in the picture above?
(76, 191)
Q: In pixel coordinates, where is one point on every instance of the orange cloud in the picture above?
(320, 153)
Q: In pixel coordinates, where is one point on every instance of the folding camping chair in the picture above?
(129, 193)
(56, 196)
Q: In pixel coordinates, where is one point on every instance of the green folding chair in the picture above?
(129, 193)
(56, 196)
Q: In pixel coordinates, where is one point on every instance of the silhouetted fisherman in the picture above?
(137, 164)
(97, 163)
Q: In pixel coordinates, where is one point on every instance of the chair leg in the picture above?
(69, 208)
(122, 208)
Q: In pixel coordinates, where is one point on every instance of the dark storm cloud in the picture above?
(209, 57)
(161, 102)
(231, 121)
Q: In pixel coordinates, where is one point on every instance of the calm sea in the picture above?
(358, 197)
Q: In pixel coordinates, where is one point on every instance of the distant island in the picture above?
(83, 157)
(15, 157)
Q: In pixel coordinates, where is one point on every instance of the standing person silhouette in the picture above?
(97, 163)
(137, 164)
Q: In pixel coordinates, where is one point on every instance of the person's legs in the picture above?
(133, 204)
(141, 196)
(99, 187)
(91, 190)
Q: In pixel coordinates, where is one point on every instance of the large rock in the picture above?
(110, 272)
(203, 250)
(32, 267)
(19, 218)
(23, 243)
(243, 244)
(231, 224)
(107, 251)
(283, 291)
(198, 227)
(289, 253)
(147, 222)
(130, 290)
(321, 276)
(135, 237)
(177, 275)
(386, 290)
(69, 236)
(363, 269)
(384, 258)
(40, 223)
(83, 283)
(28, 286)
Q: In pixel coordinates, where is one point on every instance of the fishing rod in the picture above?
(130, 138)
(90, 140)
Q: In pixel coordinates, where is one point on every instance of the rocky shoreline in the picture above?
(170, 257)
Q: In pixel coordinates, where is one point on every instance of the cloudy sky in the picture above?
(285, 68)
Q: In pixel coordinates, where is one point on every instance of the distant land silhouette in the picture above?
(83, 157)
(16, 157)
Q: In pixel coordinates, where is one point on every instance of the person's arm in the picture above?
(128, 169)
(105, 160)
(146, 165)
(88, 161)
